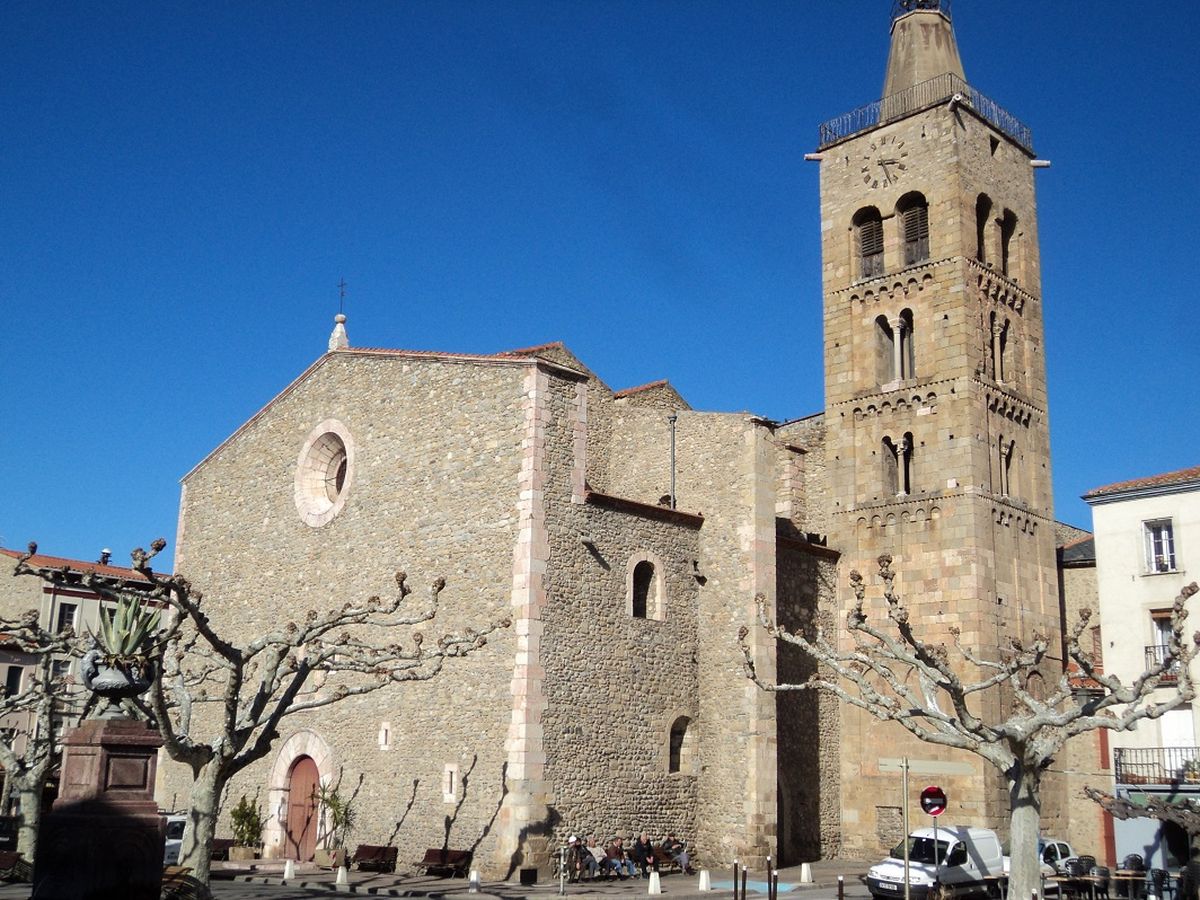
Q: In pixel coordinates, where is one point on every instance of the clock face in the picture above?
(884, 162)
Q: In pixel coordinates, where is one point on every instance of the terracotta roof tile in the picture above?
(642, 387)
(77, 565)
(1182, 476)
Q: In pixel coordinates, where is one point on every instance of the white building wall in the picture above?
(1129, 591)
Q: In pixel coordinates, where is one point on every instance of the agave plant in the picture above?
(125, 631)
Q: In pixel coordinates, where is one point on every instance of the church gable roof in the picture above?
(349, 353)
(659, 394)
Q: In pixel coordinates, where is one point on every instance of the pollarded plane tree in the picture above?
(1181, 810)
(870, 666)
(32, 718)
(238, 694)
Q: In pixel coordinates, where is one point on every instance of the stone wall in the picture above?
(615, 684)
(436, 452)
(810, 794)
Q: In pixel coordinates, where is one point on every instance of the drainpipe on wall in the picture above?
(671, 418)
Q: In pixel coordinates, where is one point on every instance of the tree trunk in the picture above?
(31, 819)
(207, 786)
(1025, 796)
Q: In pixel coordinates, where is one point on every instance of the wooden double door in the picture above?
(300, 840)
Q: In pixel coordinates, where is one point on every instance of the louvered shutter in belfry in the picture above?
(870, 237)
(916, 234)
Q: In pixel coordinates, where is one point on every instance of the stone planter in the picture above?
(114, 683)
(242, 853)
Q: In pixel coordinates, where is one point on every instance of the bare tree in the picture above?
(869, 667)
(1182, 811)
(30, 742)
(248, 689)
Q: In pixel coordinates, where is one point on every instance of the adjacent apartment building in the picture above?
(1147, 534)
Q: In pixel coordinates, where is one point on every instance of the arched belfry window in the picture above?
(885, 350)
(913, 211)
(897, 466)
(983, 212)
(868, 235)
(645, 588)
(1008, 244)
(908, 356)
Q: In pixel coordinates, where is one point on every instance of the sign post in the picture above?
(933, 801)
(904, 808)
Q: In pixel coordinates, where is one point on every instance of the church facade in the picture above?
(627, 534)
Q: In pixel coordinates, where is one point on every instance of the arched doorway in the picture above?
(300, 840)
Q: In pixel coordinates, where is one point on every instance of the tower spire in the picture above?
(923, 45)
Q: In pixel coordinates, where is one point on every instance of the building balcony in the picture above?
(1156, 655)
(1157, 765)
(941, 89)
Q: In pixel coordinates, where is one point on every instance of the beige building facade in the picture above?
(1147, 534)
(627, 534)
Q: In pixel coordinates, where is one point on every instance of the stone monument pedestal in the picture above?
(104, 836)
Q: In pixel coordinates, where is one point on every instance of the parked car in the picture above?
(174, 845)
(965, 860)
(1053, 854)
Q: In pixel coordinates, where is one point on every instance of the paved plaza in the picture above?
(266, 883)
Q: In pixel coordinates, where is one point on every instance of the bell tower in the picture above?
(935, 389)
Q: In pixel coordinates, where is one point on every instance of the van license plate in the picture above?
(888, 886)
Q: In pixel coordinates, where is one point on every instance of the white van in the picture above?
(967, 860)
(176, 822)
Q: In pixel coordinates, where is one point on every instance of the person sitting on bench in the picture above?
(677, 850)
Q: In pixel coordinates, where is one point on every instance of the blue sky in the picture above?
(184, 184)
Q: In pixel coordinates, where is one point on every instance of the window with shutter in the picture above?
(869, 225)
(916, 234)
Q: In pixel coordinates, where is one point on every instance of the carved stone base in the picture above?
(104, 836)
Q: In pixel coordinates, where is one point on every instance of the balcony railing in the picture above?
(919, 96)
(1157, 765)
(1157, 654)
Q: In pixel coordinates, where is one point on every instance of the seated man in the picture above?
(618, 859)
(642, 853)
(677, 850)
(598, 861)
(574, 858)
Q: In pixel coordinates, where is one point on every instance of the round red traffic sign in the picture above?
(933, 800)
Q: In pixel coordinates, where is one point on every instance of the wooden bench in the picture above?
(664, 862)
(445, 862)
(179, 884)
(371, 857)
(220, 848)
(14, 867)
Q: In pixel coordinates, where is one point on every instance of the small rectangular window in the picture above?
(12, 682)
(1160, 546)
(450, 783)
(66, 617)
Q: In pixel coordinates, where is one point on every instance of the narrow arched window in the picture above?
(891, 467)
(1002, 354)
(885, 351)
(983, 212)
(905, 464)
(908, 356)
(1008, 243)
(681, 746)
(868, 230)
(643, 581)
(914, 226)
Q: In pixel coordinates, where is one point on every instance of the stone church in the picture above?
(627, 533)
